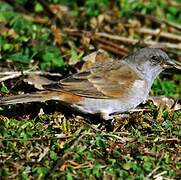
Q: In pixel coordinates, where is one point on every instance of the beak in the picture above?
(172, 64)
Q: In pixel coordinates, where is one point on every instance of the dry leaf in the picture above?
(85, 40)
(164, 101)
(97, 21)
(37, 81)
(36, 19)
(57, 34)
(59, 10)
(99, 56)
(44, 153)
(5, 31)
(177, 107)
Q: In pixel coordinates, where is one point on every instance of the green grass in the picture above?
(40, 141)
(144, 144)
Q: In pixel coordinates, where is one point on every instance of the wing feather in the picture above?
(110, 80)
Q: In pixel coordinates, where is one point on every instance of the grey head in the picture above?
(150, 62)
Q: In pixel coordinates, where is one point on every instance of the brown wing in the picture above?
(108, 80)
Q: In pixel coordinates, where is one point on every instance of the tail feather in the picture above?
(24, 98)
(41, 97)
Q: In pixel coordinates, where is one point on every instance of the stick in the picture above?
(14, 74)
(161, 34)
(155, 19)
(134, 41)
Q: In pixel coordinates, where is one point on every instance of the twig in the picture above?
(118, 38)
(63, 136)
(154, 170)
(125, 40)
(112, 47)
(44, 153)
(159, 175)
(122, 139)
(169, 140)
(161, 34)
(14, 74)
(27, 72)
(74, 32)
(132, 41)
(140, 110)
(36, 19)
(155, 19)
(104, 41)
(5, 78)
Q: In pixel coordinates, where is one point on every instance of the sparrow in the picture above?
(115, 86)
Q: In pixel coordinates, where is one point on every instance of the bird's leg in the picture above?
(103, 120)
(107, 121)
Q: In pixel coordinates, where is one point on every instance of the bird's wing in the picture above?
(110, 80)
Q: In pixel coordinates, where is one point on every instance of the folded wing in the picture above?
(110, 80)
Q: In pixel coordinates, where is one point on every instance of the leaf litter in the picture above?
(46, 140)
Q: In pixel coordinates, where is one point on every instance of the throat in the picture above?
(150, 76)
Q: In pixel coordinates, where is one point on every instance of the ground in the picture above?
(49, 141)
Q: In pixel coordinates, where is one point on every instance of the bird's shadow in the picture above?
(31, 110)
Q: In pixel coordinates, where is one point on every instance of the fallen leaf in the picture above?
(38, 81)
(59, 10)
(95, 22)
(57, 35)
(164, 101)
(99, 56)
(177, 106)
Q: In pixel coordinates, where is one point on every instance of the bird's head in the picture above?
(151, 61)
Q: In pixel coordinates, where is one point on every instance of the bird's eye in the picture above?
(156, 59)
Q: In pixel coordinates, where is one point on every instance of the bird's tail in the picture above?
(41, 97)
(25, 98)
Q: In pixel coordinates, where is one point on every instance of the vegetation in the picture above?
(47, 140)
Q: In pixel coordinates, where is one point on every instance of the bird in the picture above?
(115, 86)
